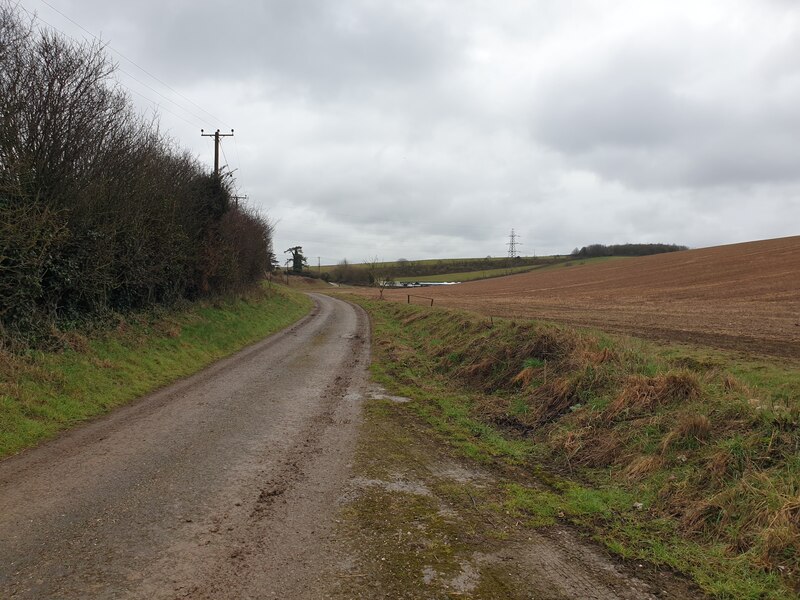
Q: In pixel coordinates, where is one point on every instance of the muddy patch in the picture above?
(400, 486)
(376, 392)
(454, 471)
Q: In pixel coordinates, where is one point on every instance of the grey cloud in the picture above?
(425, 128)
(644, 115)
(315, 46)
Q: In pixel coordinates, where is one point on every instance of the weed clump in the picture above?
(642, 395)
(690, 430)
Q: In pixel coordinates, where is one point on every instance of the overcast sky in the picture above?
(424, 129)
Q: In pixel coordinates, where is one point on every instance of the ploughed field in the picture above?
(741, 296)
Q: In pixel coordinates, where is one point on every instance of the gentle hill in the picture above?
(446, 269)
(743, 296)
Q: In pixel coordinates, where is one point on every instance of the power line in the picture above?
(199, 118)
(130, 89)
(148, 73)
(135, 64)
(238, 168)
(238, 161)
(157, 105)
(222, 149)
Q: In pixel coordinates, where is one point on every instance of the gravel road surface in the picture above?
(223, 485)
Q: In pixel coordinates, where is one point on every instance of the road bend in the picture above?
(223, 485)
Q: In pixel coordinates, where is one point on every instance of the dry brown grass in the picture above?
(690, 428)
(731, 383)
(551, 400)
(589, 446)
(603, 356)
(642, 466)
(492, 410)
(643, 394)
(14, 368)
(783, 532)
(601, 449)
(550, 344)
(524, 377)
(704, 515)
(754, 514)
(413, 318)
(479, 369)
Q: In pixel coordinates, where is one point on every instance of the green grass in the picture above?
(472, 275)
(44, 393)
(775, 383)
(498, 260)
(502, 271)
(704, 480)
(577, 262)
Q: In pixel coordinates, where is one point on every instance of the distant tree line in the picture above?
(346, 272)
(100, 211)
(595, 250)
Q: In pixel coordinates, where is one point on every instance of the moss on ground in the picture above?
(409, 528)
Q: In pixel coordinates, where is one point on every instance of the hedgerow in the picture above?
(99, 210)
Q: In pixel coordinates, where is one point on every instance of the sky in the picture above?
(429, 128)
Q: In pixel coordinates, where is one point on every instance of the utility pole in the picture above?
(216, 135)
(237, 198)
(319, 264)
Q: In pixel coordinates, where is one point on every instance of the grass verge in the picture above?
(42, 393)
(687, 462)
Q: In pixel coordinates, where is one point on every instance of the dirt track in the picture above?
(222, 486)
(742, 297)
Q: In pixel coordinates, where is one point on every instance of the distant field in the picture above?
(501, 272)
(741, 296)
(498, 262)
(471, 275)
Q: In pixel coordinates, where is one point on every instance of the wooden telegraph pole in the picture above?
(216, 135)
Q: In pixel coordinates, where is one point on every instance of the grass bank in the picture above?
(42, 393)
(685, 460)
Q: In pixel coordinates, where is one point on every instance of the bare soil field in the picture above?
(742, 296)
